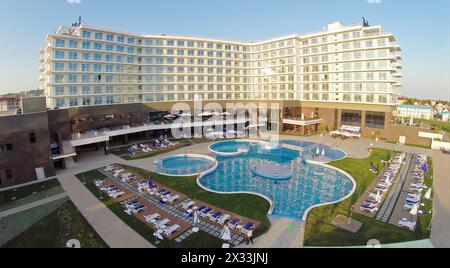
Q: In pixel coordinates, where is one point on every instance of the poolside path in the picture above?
(284, 233)
(111, 229)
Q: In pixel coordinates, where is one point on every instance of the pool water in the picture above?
(185, 165)
(310, 184)
(309, 150)
(231, 146)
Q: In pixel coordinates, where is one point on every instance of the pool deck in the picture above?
(284, 233)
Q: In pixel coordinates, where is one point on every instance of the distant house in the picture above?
(415, 111)
(8, 104)
(446, 116)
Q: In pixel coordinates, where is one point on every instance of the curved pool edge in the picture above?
(207, 157)
(234, 153)
(350, 177)
(200, 176)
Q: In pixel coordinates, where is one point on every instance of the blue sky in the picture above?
(422, 28)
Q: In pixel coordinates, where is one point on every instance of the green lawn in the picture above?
(54, 230)
(15, 194)
(320, 231)
(246, 205)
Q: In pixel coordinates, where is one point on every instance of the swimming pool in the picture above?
(309, 185)
(229, 148)
(317, 152)
(185, 165)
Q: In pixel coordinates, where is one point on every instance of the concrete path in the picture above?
(111, 228)
(284, 233)
(440, 230)
(32, 205)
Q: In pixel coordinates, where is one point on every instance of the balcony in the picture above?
(41, 68)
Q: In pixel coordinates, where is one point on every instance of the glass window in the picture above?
(375, 120)
(60, 43)
(59, 91)
(110, 37)
(351, 118)
(73, 102)
(98, 36)
(59, 54)
(86, 34)
(60, 102)
(73, 44)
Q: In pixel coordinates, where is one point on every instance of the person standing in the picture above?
(225, 235)
(250, 237)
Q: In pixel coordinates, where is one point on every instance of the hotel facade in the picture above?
(106, 87)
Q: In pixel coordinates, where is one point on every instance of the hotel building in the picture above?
(104, 87)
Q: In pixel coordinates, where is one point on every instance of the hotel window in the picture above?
(130, 59)
(120, 48)
(59, 66)
(59, 54)
(86, 90)
(86, 101)
(86, 34)
(110, 99)
(9, 174)
(381, 42)
(60, 43)
(170, 43)
(60, 102)
(180, 43)
(110, 37)
(6, 148)
(98, 100)
(370, 98)
(97, 67)
(351, 118)
(72, 78)
(120, 39)
(109, 47)
(86, 45)
(59, 78)
(190, 44)
(130, 40)
(73, 55)
(73, 44)
(73, 102)
(369, 43)
(130, 50)
(32, 137)
(98, 36)
(209, 46)
(73, 67)
(375, 120)
(356, 34)
(86, 78)
(59, 91)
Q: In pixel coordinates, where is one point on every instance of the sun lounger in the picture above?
(116, 195)
(215, 216)
(207, 213)
(170, 230)
(162, 223)
(233, 223)
(370, 208)
(172, 199)
(187, 204)
(152, 218)
(244, 229)
(404, 223)
(223, 219)
(138, 209)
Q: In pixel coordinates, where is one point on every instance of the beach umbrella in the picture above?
(303, 117)
(323, 152)
(318, 151)
(414, 210)
(428, 194)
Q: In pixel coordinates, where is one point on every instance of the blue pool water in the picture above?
(310, 149)
(309, 185)
(184, 165)
(230, 146)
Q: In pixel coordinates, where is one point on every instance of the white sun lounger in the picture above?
(162, 223)
(170, 230)
(187, 205)
(223, 219)
(404, 223)
(152, 218)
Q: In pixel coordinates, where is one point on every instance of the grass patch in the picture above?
(54, 230)
(320, 231)
(15, 194)
(246, 205)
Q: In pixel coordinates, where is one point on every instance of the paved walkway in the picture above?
(111, 228)
(440, 230)
(283, 233)
(32, 205)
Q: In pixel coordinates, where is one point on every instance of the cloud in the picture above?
(373, 2)
(74, 2)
